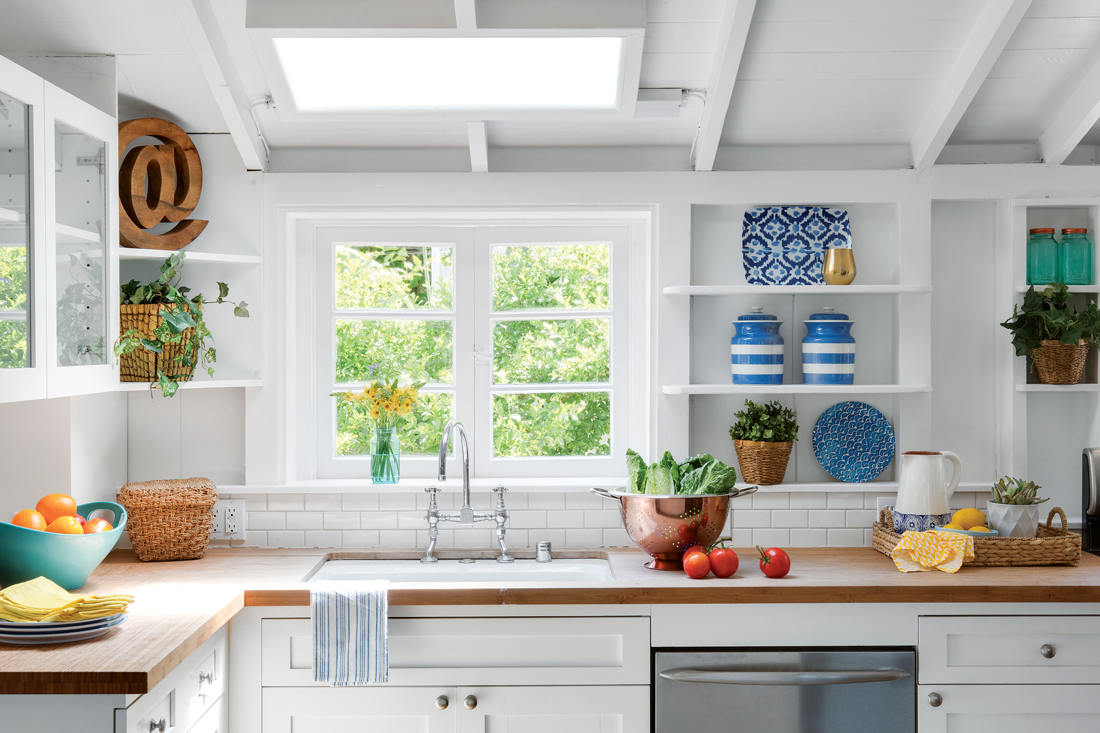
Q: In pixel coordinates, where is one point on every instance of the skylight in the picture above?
(425, 74)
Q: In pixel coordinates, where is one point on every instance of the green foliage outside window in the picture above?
(13, 296)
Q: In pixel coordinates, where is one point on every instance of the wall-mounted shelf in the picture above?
(716, 389)
(72, 235)
(200, 384)
(1057, 387)
(795, 289)
(127, 253)
(12, 215)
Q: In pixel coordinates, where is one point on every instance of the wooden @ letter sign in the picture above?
(158, 183)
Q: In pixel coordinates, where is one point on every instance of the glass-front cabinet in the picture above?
(58, 241)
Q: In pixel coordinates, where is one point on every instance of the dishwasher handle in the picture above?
(772, 677)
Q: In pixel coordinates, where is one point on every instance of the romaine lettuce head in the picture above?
(636, 469)
(658, 480)
(714, 477)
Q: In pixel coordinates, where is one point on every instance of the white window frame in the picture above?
(311, 450)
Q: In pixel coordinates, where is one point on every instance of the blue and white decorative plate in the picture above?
(853, 442)
(785, 245)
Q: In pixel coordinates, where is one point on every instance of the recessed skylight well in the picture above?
(448, 74)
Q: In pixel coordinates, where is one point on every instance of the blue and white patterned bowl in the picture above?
(785, 245)
(919, 522)
(853, 442)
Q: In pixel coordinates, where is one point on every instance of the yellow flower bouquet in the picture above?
(387, 405)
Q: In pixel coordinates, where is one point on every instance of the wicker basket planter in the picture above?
(1049, 547)
(141, 365)
(169, 520)
(762, 463)
(1058, 363)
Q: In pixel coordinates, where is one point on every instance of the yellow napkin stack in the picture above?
(944, 551)
(43, 600)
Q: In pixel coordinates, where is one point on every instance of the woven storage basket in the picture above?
(141, 365)
(1049, 547)
(762, 463)
(169, 520)
(1058, 363)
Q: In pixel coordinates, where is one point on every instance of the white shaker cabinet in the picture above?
(375, 709)
(592, 709)
(1006, 708)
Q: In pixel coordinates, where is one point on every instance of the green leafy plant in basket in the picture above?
(1047, 316)
(181, 323)
(770, 423)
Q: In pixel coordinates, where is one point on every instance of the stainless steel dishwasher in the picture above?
(786, 691)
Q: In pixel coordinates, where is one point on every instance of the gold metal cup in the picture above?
(839, 267)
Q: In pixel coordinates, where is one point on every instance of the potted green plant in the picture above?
(1054, 334)
(763, 438)
(164, 335)
(1014, 509)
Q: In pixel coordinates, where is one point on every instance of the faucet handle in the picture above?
(431, 491)
(500, 491)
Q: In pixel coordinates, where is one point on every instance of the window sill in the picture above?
(348, 486)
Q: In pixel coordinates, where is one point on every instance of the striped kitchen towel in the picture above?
(350, 633)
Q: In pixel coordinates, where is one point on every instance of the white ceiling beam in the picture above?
(201, 26)
(983, 47)
(479, 147)
(1074, 120)
(732, 33)
(466, 15)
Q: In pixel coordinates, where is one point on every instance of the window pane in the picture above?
(407, 350)
(15, 229)
(551, 276)
(552, 424)
(13, 344)
(420, 432)
(575, 350)
(393, 278)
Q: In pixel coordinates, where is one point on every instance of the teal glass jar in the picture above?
(1043, 257)
(1076, 257)
(385, 456)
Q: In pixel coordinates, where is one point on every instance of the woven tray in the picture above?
(169, 520)
(1049, 547)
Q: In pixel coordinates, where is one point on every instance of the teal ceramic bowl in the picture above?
(66, 559)
(979, 535)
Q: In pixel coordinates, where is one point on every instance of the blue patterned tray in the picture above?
(853, 442)
(785, 245)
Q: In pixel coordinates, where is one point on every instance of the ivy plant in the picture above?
(1047, 316)
(770, 423)
(181, 312)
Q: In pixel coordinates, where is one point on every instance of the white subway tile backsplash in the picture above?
(360, 538)
(870, 501)
(586, 500)
(516, 539)
(741, 538)
(255, 502)
(962, 499)
(255, 539)
(616, 538)
(568, 519)
(396, 502)
(827, 518)
(807, 500)
(844, 500)
(285, 502)
(359, 502)
(397, 539)
(741, 502)
(341, 520)
(479, 538)
(752, 518)
(776, 500)
(583, 537)
(546, 500)
(809, 537)
(603, 518)
(862, 518)
(412, 520)
(324, 538)
(322, 502)
(771, 538)
(847, 538)
(305, 520)
(527, 519)
(266, 520)
(286, 539)
(556, 537)
(378, 520)
(789, 518)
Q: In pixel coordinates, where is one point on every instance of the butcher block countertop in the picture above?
(178, 605)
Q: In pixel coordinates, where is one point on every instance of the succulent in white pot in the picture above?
(1014, 510)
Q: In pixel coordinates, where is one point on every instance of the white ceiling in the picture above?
(813, 75)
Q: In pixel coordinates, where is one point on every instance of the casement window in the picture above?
(523, 333)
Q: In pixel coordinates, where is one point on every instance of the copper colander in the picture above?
(666, 526)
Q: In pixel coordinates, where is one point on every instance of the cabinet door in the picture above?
(22, 235)
(1007, 708)
(82, 246)
(374, 709)
(591, 709)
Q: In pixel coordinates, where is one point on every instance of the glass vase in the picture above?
(385, 456)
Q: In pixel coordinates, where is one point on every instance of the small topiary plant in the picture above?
(770, 423)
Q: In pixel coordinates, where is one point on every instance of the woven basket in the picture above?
(1049, 547)
(169, 520)
(141, 365)
(1058, 363)
(762, 463)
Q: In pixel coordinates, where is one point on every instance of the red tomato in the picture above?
(774, 562)
(697, 565)
(723, 561)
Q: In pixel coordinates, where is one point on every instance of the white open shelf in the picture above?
(1057, 387)
(11, 215)
(127, 253)
(71, 235)
(795, 289)
(796, 388)
(199, 384)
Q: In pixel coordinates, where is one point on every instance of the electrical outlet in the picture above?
(228, 520)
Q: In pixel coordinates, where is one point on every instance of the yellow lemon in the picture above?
(952, 525)
(967, 518)
(979, 528)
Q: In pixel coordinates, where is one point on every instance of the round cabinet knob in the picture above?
(470, 702)
(935, 699)
(207, 677)
(1047, 650)
(442, 702)
(158, 725)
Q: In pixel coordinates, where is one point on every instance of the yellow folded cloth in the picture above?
(944, 551)
(43, 600)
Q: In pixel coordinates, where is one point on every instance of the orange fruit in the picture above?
(92, 526)
(53, 506)
(30, 519)
(65, 525)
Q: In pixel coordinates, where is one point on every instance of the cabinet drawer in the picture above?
(214, 720)
(481, 651)
(205, 680)
(153, 712)
(375, 709)
(1007, 708)
(1009, 649)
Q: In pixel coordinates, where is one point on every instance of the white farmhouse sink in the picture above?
(456, 571)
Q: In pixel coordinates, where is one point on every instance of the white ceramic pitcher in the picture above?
(923, 490)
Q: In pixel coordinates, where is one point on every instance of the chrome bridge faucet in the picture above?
(466, 516)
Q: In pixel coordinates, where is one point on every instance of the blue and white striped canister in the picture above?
(756, 349)
(828, 351)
